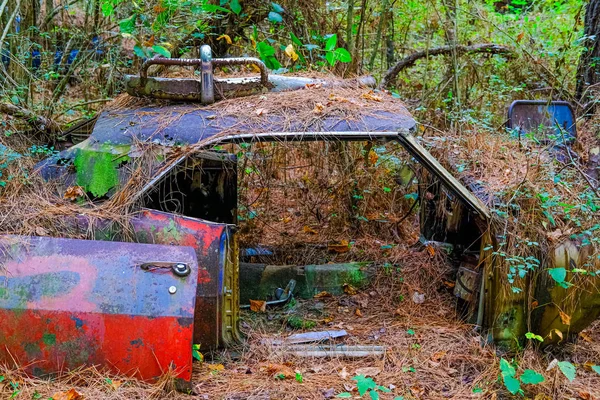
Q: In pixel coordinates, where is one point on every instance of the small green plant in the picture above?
(296, 322)
(512, 382)
(196, 353)
(365, 385)
(299, 377)
(533, 336)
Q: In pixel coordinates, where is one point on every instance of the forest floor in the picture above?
(430, 354)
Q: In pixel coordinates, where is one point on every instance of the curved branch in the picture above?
(410, 60)
(38, 122)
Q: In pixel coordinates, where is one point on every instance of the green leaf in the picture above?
(275, 17)
(344, 395)
(210, 8)
(374, 395)
(162, 51)
(277, 8)
(343, 55)
(567, 369)
(506, 368)
(364, 384)
(235, 6)
(265, 50)
(127, 25)
(107, 8)
(330, 57)
(595, 368)
(530, 335)
(531, 377)
(139, 51)
(331, 42)
(558, 274)
(512, 384)
(295, 39)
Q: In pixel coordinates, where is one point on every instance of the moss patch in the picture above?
(97, 170)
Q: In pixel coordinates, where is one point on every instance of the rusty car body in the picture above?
(127, 306)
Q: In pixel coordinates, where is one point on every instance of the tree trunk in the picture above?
(588, 73)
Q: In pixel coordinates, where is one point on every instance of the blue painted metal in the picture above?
(548, 120)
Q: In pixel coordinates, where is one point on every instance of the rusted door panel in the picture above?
(217, 292)
(65, 303)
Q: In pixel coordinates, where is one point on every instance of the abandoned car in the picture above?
(137, 301)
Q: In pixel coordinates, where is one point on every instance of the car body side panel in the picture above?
(65, 303)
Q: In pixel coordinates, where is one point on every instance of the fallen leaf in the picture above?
(291, 53)
(328, 320)
(227, 39)
(70, 394)
(520, 37)
(328, 393)
(260, 111)
(280, 370)
(286, 220)
(418, 298)
(373, 157)
(40, 231)
(438, 355)
(370, 95)
(564, 318)
(557, 332)
(308, 229)
(430, 250)
(542, 396)
(358, 313)
(343, 373)
(368, 371)
(319, 108)
(449, 284)
(349, 289)
(258, 305)
(313, 85)
(342, 247)
(215, 367)
(322, 294)
(585, 395)
(586, 337)
(115, 384)
(74, 192)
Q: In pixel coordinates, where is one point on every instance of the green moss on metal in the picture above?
(97, 169)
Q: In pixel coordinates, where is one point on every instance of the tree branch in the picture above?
(390, 76)
(38, 122)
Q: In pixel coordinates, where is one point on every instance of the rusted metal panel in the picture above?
(217, 299)
(65, 303)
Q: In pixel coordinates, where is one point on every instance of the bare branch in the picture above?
(408, 61)
(38, 122)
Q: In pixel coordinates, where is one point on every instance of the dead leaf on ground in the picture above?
(585, 396)
(588, 366)
(215, 367)
(430, 250)
(308, 229)
(319, 108)
(342, 247)
(438, 355)
(40, 231)
(373, 157)
(449, 284)
(358, 313)
(349, 289)
(343, 373)
(564, 318)
(370, 95)
(115, 384)
(586, 337)
(368, 371)
(280, 370)
(328, 320)
(542, 396)
(74, 192)
(258, 305)
(70, 394)
(322, 294)
(260, 111)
